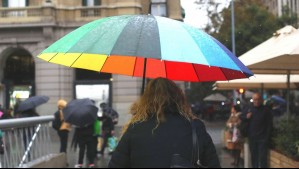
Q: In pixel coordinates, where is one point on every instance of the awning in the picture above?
(260, 81)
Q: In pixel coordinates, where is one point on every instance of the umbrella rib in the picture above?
(104, 63)
(165, 69)
(76, 60)
(224, 74)
(134, 66)
(195, 72)
(53, 57)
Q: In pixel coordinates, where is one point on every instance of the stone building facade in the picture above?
(277, 7)
(27, 27)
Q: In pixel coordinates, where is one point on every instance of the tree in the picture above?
(213, 10)
(198, 91)
(253, 25)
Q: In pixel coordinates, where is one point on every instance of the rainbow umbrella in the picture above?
(146, 46)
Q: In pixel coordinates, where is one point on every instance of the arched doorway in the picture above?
(94, 85)
(18, 76)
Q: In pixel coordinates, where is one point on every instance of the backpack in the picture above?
(56, 123)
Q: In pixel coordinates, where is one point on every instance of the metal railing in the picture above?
(50, 11)
(25, 140)
(58, 13)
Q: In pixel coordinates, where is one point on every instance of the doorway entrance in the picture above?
(18, 77)
(94, 85)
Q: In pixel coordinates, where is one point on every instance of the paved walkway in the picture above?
(213, 128)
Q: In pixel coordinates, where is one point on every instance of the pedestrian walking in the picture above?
(160, 127)
(110, 112)
(63, 128)
(85, 138)
(107, 131)
(259, 131)
(235, 141)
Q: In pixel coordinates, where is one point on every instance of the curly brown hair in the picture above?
(159, 96)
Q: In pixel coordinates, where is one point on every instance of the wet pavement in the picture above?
(213, 128)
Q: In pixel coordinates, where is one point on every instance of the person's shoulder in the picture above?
(56, 113)
(199, 124)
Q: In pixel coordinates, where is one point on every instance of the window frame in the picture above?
(95, 3)
(159, 3)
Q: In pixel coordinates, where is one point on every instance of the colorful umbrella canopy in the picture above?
(146, 46)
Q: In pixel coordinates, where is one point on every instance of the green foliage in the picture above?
(288, 18)
(286, 137)
(198, 91)
(253, 25)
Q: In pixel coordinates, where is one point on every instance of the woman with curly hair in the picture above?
(160, 127)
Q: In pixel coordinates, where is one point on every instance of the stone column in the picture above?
(126, 90)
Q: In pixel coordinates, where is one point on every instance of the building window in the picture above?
(159, 8)
(92, 10)
(4, 3)
(91, 2)
(15, 3)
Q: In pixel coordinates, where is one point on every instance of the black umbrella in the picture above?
(32, 102)
(80, 112)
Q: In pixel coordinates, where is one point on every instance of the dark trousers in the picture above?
(105, 135)
(63, 135)
(259, 153)
(87, 143)
(27, 138)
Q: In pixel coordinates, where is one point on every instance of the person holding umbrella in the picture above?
(161, 127)
(27, 107)
(65, 127)
(83, 114)
(86, 140)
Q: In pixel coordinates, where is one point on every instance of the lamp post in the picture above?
(233, 27)
(233, 39)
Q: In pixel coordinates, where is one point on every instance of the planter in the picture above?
(278, 160)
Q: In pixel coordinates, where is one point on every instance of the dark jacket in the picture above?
(143, 147)
(107, 123)
(260, 124)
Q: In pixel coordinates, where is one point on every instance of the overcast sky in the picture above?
(194, 16)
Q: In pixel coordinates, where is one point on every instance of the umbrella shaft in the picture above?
(144, 75)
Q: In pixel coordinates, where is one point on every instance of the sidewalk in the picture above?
(213, 128)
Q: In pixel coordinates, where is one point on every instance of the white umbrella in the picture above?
(260, 81)
(278, 55)
(215, 98)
